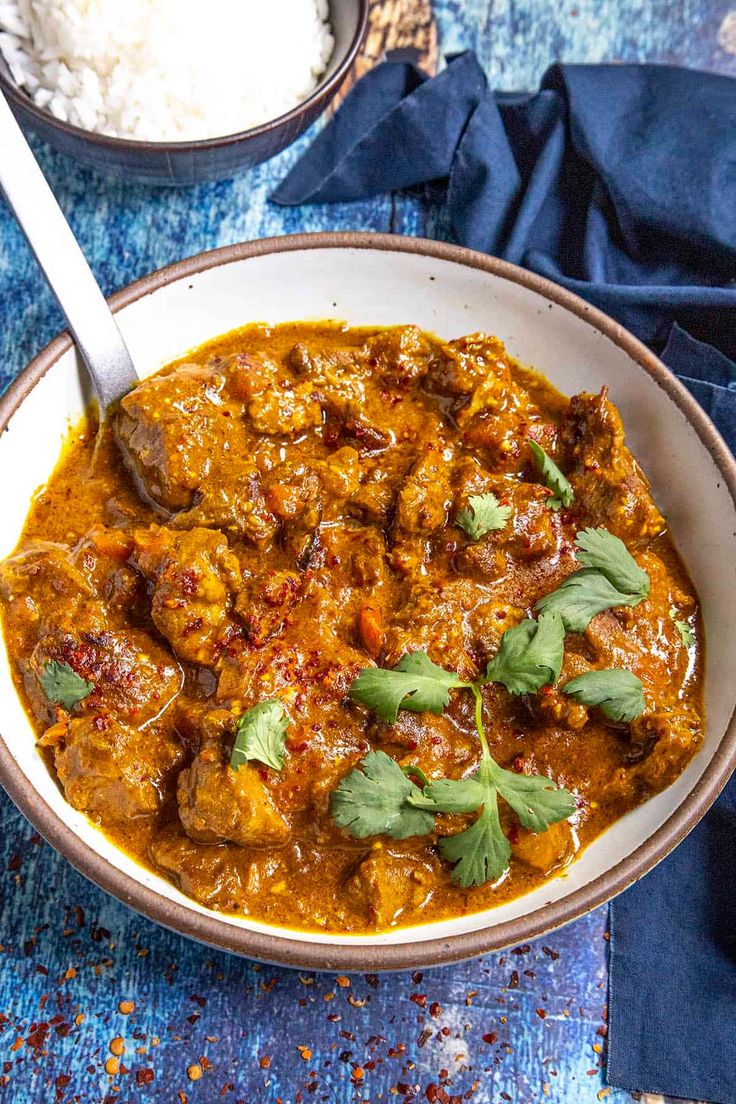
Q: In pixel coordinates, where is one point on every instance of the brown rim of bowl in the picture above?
(321, 93)
(328, 956)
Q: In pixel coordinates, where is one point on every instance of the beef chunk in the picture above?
(345, 424)
(425, 496)
(388, 885)
(497, 414)
(435, 742)
(264, 602)
(134, 678)
(546, 850)
(604, 475)
(231, 500)
(533, 529)
(374, 499)
(400, 355)
(194, 575)
(112, 771)
(218, 804)
(661, 745)
(218, 877)
(39, 576)
(285, 410)
(433, 621)
(459, 367)
(171, 430)
(339, 473)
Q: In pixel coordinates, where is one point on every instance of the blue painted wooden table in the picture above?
(98, 1004)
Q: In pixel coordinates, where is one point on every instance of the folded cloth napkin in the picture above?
(618, 182)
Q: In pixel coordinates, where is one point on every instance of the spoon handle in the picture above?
(63, 264)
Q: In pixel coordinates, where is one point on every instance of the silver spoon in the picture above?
(62, 262)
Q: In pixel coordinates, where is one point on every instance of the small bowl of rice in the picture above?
(174, 91)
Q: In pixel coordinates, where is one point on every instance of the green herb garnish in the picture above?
(260, 735)
(610, 577)
(415, 683)
(553, 478)
(684, 628)
(617, 693)
(373, 800)
(62, 685)
(376, 798)
(530, 654)
(608, 554)
(482, 515)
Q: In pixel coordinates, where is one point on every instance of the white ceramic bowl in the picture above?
(376, 280)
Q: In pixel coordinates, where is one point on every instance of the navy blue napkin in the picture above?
(618, 182)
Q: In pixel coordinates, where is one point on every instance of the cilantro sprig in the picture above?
(530, 654)
(260, 735)
(685, 629)
(62, 685)
(415, 683)
(375, 798)
(483, 514)
(378, 797)
(617, 693)
(610, 577)
(562, 494)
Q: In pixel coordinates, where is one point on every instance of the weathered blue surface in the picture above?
(518, 1027)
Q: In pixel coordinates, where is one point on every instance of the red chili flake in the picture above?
(490, 1038)
(514, 980)
(522, 950)
(435, 1009)
(420, 999)
(424, 1036)
(554, 955)
(542, 1014)
(144, 1076)
(15, 863)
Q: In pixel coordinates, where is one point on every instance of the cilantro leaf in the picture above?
(530, 654)
(482, 515)
(617, 693)
(415, 683)
(260, 734)
(450, 795)
(581, 596)
(481, 853)
(553, 478)
(62, 685)
(372, 800)
(535, 799)
(685, 629)
(608, 554)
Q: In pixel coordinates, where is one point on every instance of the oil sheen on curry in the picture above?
(347, 629)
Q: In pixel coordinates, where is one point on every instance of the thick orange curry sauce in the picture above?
(283, 514)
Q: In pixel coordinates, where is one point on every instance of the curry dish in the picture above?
(346, 629)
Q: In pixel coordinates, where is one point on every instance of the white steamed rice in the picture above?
(166, 70)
